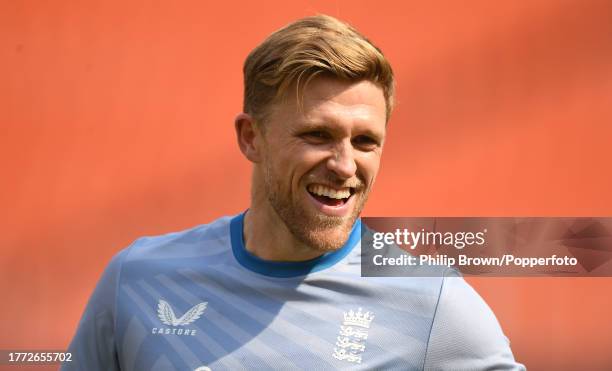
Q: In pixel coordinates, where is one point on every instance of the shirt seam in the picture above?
(433, 320)
(123, 256)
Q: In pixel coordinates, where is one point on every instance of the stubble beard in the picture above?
(321, 232)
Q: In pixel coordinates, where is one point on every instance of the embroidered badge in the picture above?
(350, 343)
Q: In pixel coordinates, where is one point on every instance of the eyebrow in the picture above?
(318, 126)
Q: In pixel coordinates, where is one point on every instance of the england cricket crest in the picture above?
(350, 343)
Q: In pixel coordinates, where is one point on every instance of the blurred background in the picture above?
(117, 122)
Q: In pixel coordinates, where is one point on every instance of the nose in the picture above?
(342, 161)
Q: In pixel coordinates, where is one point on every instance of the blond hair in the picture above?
(311, 46)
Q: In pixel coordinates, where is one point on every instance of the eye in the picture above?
(365, 143)
(316, 136)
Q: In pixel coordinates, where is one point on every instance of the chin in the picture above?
(326, 234)
(325, 242)
(319, 231)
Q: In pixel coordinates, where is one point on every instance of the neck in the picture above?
(267, 237)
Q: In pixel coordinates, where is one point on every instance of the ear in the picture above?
(249, 137)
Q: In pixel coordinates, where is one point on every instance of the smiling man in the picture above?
(279, 286)
(314, 167)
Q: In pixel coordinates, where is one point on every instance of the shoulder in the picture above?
(465, 333)
(461, 308)
(197, 241)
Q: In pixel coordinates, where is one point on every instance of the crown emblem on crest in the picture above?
(352, 318)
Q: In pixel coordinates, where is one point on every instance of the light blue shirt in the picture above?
(198, 300)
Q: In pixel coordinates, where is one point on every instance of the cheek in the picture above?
(369, 165)
(310, 157)
(291, 165)
(304, 159)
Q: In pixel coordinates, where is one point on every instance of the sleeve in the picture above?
(93, 346)
(465, 334)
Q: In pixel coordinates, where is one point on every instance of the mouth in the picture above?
(329, 196)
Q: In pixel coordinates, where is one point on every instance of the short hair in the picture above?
(312, 46)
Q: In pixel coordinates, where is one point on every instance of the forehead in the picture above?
(332, 102)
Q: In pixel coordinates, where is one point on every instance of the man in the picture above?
(279, 286)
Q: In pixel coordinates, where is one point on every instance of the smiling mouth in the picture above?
(330, 196)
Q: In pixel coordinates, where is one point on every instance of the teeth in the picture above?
(321, 190)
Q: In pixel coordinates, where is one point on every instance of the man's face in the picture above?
(320, 162)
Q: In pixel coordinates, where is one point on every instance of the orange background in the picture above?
(117, 122)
